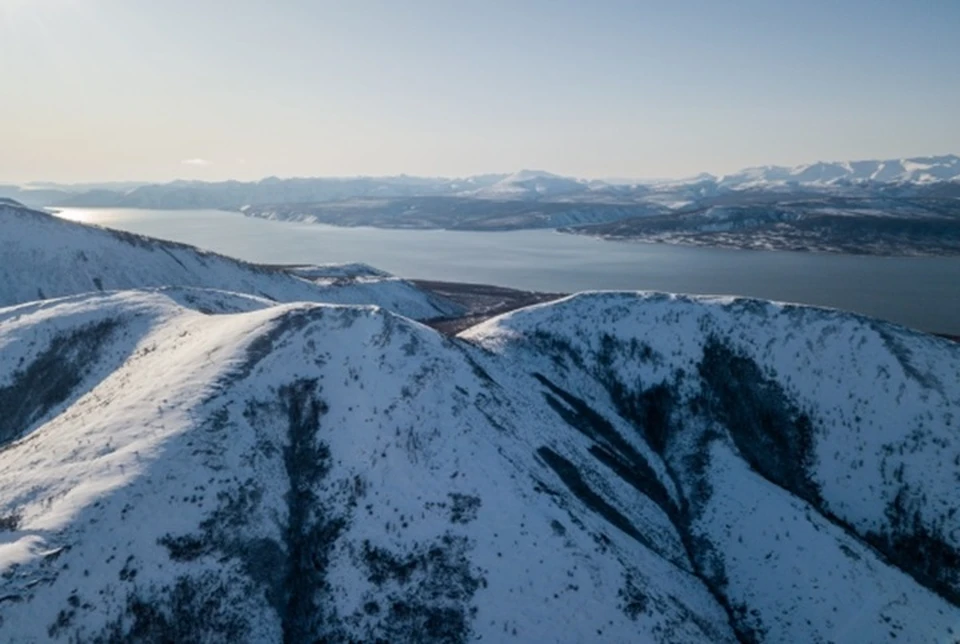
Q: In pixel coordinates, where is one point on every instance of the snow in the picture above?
(108, 476)
(791, 565)
(883, 401)
(527, 184)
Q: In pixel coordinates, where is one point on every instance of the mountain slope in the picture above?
(815, 450)
(624, 467)
(45, 257)
(303, 472)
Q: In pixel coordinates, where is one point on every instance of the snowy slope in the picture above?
(45, 257)
(610, 467)
(817, 452)
(303, 472)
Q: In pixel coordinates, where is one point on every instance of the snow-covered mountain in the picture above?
(609, 467)
(532, 184)
(912, 170)
(45, 257)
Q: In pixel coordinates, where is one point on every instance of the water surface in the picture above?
(920, 292)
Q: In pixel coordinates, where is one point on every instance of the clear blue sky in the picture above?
(210, 89)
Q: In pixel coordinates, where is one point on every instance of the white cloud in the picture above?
(195, 162)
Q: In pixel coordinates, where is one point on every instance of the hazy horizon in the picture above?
(132, 182)
(138, 91)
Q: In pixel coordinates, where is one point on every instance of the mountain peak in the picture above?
(527, 174)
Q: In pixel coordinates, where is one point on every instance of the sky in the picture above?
(114, 90)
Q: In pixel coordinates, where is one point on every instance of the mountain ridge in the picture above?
(524, 184)
(904, 170)
(592, 400)
(45, 256)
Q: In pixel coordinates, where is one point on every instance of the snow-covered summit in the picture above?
(532, 184)
(912, 170)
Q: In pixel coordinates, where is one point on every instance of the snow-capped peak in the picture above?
(916, 170)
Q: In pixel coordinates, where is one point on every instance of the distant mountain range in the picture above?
(523, 185)
(900, 206)
(914, 170)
